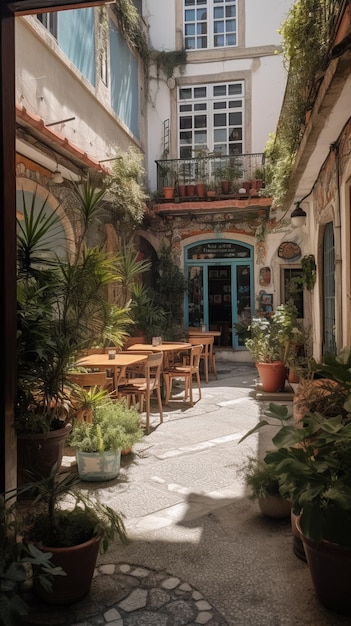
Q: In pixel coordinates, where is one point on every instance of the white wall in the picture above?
(160, 15)
(48, 85)
(263, 19)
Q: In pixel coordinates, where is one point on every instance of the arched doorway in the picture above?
(220, 286)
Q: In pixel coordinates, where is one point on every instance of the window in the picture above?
(49, 20)
(293, 289)
(210, 24)
(211, 117)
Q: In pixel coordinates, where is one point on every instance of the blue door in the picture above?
(220, 287)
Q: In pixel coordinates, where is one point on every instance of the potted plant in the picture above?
(61, 310)
(72, 533)
(312, 460)
(98, 440)
(272, 340)
(227, 173)
(17, 559)
(261, 478)
(168, 179)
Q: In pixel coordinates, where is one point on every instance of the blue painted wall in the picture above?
(76, 38)
(124, 81)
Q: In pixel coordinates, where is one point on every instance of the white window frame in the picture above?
(210, 24)
(210, 100)
(50, 22)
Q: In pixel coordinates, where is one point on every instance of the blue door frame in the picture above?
(219, 266)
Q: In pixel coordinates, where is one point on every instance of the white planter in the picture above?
(95, 466)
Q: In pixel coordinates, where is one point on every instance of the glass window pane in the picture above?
(200, 137)
(200, 121)
(230, 26)
(201, 14)
(230, 11)
(200, 106)
(189, 15)
(218, 41)
(201, 28)
(218, 13)
(218, 27)
(220, 135)
(219, 105)
(186, 137)
(235, 148)
(235, 119)
(235, 88)
(189, 3)
(185, 94)
(199, 92)
(220, 119)
(189, 29)
(220, 90)
(202, 42)
(231, 40)
(185, 107)
(185, 153)
(222, 148)
(235, 104)
(235, 134)
(186, 122)
(190, 43)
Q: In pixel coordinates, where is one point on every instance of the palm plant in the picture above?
(62, 308)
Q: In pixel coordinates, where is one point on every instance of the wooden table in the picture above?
(121, 361)
(169, 347)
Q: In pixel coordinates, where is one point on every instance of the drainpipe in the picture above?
(338, 256)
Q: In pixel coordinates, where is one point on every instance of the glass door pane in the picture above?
(195, 296)
(243, 298)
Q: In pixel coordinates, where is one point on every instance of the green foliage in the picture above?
(125, 188)
(148, 316)
(170, 285)
(16, 561)
(113, 427)
(168, 60)
(306, 37)
(313, 460)
(61, 309)
(57, 526)
(131, 26)
(274, 337)
(261, 478)
(309, 272)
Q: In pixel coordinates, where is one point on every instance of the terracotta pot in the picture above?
(274, 506)
(79, 564)
(190, 190)
(182, 191)
(168, 192)
(330, 569)
(211, 193)
(225, 186)
(39, 453)
(200, 190)
(272, 376)
(293, 377)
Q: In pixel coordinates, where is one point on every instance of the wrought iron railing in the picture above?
(212, 170)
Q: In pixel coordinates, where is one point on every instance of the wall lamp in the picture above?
(298, 215)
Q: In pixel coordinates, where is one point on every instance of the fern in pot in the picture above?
(112, 427)
(263, 482)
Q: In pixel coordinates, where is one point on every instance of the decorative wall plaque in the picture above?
(289, 250)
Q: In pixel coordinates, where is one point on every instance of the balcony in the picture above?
(212, 177)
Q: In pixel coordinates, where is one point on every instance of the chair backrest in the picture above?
(195, 355)
(89, 379)
(131, 341)
(153, 369)
(207, 343)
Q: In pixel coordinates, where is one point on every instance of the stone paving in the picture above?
(200, 552)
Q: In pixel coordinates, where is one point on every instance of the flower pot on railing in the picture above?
(200, 190)
(190, 190)
(168, 193)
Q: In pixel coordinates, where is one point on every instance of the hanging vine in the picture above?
(168, 60)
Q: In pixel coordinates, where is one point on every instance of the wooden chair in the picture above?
(186, 371)
(207, 354)
(87, 380)
(143, 386)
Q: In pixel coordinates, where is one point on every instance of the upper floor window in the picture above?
(210, 117)
(49, 20)
(210, 24)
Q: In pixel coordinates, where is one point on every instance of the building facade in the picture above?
(201, 113)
